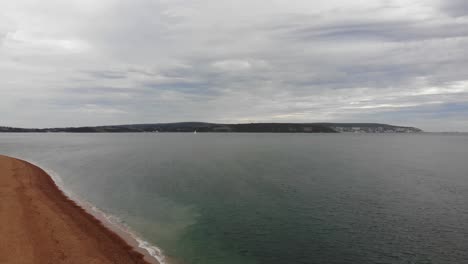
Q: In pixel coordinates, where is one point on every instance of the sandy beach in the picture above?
(39, 224)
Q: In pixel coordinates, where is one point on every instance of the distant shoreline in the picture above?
(43, 224)
(200, 127)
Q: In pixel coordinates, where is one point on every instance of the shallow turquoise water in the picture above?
(272, 198)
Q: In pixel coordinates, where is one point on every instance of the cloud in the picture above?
(376, 30)
(232, 65)
(107, 74)
(457, 8)
(141, 61)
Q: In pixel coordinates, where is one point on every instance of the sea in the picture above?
(242, 198)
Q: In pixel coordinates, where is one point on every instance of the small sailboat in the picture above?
(195, 131)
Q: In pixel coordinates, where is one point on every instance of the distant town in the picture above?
(375, 129)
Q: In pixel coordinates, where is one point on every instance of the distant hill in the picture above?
(235, 128)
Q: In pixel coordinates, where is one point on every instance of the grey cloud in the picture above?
(457, 8)
(199, 88)
(380, 30)
(101, 90)
(106, 74)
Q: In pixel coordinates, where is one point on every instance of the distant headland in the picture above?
(234, 128)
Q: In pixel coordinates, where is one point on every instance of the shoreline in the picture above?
(151, 253)
(42, 219)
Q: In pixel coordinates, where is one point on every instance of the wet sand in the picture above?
(39, 224)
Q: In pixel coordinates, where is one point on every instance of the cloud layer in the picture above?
(85, 62)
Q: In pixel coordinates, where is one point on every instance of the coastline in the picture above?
(41, 223)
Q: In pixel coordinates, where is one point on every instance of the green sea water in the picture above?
(272, 198)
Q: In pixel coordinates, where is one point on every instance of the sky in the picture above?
(88, 62)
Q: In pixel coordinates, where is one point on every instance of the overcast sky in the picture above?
(90, 62)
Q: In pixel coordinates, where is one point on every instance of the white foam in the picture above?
(115, 221)
(152, 250)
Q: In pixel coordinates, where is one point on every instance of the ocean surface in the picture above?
(271, 198)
